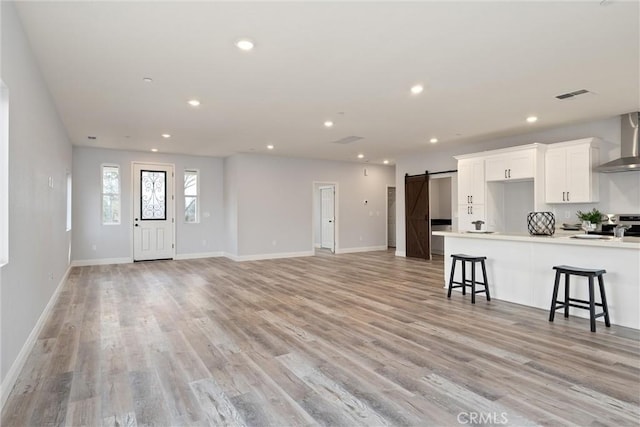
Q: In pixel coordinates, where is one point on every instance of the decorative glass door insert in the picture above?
(153, 195)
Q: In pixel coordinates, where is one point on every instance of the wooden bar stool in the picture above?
(466, 282)
(578, 303)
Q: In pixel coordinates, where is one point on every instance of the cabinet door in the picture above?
(477, 184)
(579, 174)
(465, 171)
(555, 182)
(521, 165)
(496, 168)
(469, 213)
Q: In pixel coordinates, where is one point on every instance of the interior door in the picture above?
(391, 217)
(153, 208)
(327, 220)
(416, 190)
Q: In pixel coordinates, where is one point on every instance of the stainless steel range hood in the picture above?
(629, 159)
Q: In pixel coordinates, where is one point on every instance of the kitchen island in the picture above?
(520, 268)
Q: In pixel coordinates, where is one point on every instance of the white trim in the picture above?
(336, 213)
(259, 257)
(12, 375)
(102, 193)
(4, 174)
(401, 253)
(133, 195)
(362, 249)
(199, 255)
(100, 261)
(197, 196)
(317, 245)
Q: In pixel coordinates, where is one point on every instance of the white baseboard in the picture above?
(100, 261)
(401, 253)
(199, 255)
(437, 252)
(259, 257)
(361, 249)
(12, 375)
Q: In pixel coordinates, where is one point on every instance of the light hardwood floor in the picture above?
(356, 339)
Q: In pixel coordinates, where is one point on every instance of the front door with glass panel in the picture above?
(153, 207)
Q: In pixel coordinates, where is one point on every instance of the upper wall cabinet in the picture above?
(518, 164)
(471, 181)
(569, 175)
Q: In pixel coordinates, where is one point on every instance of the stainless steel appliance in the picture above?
(631, 222)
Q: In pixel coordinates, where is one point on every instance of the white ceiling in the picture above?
(485, 66)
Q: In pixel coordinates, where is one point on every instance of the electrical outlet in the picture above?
(567, 214)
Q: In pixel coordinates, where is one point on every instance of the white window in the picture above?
(68, 201)
(110, 194)
(4, 174)
(191, 191)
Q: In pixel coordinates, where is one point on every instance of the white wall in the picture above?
(275, 202)
(619, 192)
(231, 205)
(38, 149)
(114, 241)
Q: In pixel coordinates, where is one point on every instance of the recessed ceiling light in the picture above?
(386, 162)
(417, 89)
(270, 147)
(154, 150)
(328, 124)
(193, 102)
(433, 140)
(532, 119)
(244, 44)
(147, 79)
(361, 156)
(166, 135)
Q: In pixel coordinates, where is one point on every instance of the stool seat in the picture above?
(579, 271)
(590, 274)
(468, 257)
(465, 282)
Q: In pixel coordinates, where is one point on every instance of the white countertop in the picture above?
(561, 239)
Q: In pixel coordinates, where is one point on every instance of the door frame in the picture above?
(387, 215)
(336, 212)
(173, 203)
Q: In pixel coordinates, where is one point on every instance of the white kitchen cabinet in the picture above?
(471, 192)
(471, 185)
(468, 213)
(519, 164)
(569, 175)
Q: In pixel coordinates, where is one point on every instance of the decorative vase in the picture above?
(541, 223)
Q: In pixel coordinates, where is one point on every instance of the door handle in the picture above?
(505, 173)
(471, 209)
(563, 199)
(136, 225)
(567, 196)
(471, 199)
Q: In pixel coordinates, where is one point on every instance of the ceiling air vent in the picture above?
(572, 94)
(348, 139)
